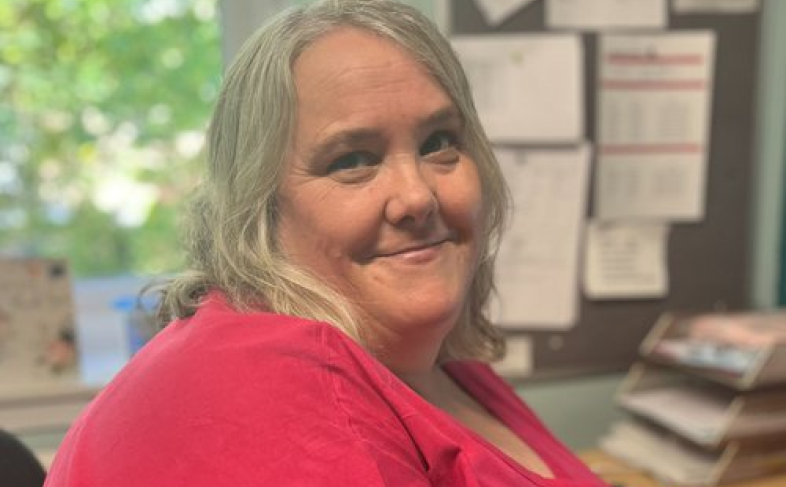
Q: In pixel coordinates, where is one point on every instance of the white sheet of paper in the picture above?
(716, 6)
(606, 14)
(518, 359)
(694, 412)
(626, 260)
(537, 266)
(528, 88)
(654, 94)
(497, 11)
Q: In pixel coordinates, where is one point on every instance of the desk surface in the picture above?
(616, 472)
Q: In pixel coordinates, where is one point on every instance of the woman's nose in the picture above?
(412, 199)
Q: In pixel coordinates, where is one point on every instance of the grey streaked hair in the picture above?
(231, 226)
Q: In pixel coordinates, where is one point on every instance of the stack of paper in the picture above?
(708, 416)
(707, 402)
(674, 461)
(659, 453)
(743, 350)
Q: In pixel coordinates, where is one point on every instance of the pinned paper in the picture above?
(606, 14)
(716, 6)
(626, 260)
(497, 11)
(527, 88)
(653, 125)
(518, 361)
(537, 265)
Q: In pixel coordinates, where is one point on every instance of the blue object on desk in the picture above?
(722, 357)
(139, 319)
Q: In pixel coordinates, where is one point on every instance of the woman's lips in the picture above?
(417, 253)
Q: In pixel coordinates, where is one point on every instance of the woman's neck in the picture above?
(412, 358)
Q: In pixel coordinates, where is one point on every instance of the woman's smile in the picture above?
(419, 253)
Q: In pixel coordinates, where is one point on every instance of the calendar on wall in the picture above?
(37, 332)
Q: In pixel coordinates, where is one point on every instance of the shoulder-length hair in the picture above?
(231, 226)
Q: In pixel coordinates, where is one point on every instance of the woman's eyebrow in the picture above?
(442, 116)
(344, 138)
(364, 135)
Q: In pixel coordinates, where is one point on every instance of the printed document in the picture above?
(654, 94)
(537, 266)
(716, 6)
(606, 14)
(527, 88)
(626, 260)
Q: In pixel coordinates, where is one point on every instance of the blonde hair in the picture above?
(231, 228)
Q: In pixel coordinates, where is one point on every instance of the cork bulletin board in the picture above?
(707, 260)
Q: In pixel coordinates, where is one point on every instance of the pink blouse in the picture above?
(229, 399)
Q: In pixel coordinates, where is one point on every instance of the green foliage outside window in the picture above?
(103, 106)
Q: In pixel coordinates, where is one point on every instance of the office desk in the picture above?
(616, 472)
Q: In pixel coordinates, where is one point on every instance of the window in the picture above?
(102, 118)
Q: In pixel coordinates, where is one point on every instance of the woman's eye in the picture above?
(353, 160)
(437, 142)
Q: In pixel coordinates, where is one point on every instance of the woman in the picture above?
(331, 330)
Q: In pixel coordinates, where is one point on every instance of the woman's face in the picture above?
(378, 198)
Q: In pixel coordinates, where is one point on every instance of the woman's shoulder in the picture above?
(221, 362)
(218, 330)
(258, 390)
(221, 347)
